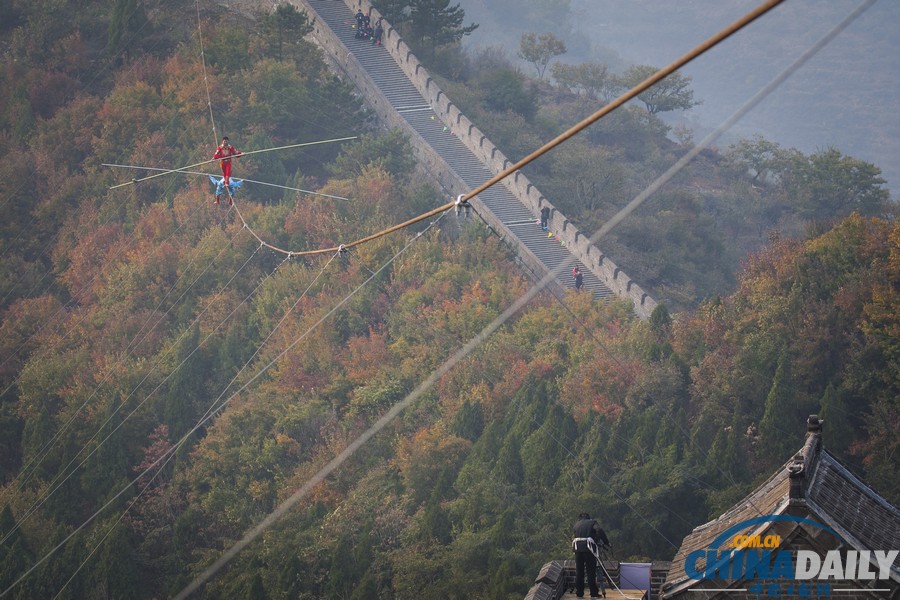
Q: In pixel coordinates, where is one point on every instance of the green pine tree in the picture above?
(186, 390)
(777, 431)
(435, 23)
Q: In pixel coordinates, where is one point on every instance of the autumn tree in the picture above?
(757, 155)
(672, 93)
(506, 90)
(592, 80)
(539, 50)
(828, 184)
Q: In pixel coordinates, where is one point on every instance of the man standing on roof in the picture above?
(588, 536)
(224, 151)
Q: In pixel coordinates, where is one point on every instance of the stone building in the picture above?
(812, 530)
(813, 518)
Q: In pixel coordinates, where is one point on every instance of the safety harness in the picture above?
(591, 546)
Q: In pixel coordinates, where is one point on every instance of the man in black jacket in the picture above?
(588, 536)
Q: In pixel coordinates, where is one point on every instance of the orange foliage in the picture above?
(598, 385)
(311, 220)
(47, 92)
(181, 75)
(193, 211)
(505, 389)
(151, 149)
(422, 457)
(25, 324)
(156, 224)
(373, 186)
(365, 356)
(94, 254)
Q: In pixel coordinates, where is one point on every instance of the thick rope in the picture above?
(630, 94)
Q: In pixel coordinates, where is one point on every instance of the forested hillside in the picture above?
(130, 316)
(688, 243)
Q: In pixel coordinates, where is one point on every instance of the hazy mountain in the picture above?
(845, 97)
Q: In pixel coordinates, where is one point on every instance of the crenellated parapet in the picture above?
(578, 244)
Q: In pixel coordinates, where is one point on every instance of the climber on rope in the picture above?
(233, 186)
(224, 152)
(462, 206)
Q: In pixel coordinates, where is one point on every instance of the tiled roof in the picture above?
(853, 509)
(767, 499)
(825, 487)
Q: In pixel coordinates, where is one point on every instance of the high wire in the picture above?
(48, 494)
(211, 413)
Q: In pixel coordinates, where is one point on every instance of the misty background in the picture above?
(845, 97)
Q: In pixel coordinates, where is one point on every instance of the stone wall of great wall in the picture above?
(466, 131)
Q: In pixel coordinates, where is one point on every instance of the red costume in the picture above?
(223, 151)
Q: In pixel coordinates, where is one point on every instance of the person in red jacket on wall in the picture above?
(223, 152)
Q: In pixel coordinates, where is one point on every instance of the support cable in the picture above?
(40, 502)
(173, 454)
(210, 414)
